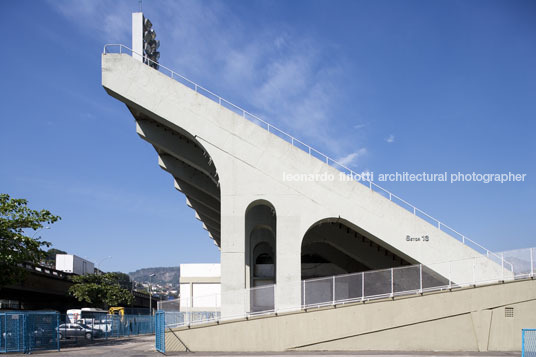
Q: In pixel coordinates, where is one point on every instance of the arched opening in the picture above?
(335, 246)
(337, 258)
(261, 260)
(331, 250)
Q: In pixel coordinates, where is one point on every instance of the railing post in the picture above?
(420, 278)
(392, 283)
(303, 293)
(531, 262)
(502, 266)
(474, 267)
(333, 289)
(363, 286)
(450, 274)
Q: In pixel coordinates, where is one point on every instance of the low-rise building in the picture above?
(71, 263)
(200, 287)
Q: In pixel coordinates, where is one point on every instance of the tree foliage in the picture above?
(15, 246)
(100, 290)
(124, 280)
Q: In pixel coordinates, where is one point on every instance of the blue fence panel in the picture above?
(160, 331)
(28, 331)
(528, 343)
(41, 331)
(13, 336)
(129, 325)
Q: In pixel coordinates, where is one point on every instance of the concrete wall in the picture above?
(200, 287)
(252, 165)
(471, 319)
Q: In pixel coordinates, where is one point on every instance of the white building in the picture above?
(70, 263)
(200, 287)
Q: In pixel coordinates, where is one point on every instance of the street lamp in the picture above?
(150, 294)
(103, 259)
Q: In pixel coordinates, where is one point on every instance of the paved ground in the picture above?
(138, 346)
(142, 346)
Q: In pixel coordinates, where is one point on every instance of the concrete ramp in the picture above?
(228, 164)
(487, 318)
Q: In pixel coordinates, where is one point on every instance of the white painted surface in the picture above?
(200, 270)
(206, 295)
(70, 263)
(137, 35)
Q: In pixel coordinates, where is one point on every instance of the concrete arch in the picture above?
(260, 240)
(334, 246)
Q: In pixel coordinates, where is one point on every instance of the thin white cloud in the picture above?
(290, 79)
(352, 158)
(108, 19)
(390, 139)
(359, 126)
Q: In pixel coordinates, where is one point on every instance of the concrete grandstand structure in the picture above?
(237, 172)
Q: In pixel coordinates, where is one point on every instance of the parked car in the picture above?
(78, 330)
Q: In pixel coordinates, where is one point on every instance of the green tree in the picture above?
(100, 290)
(124, 280)
(15, 246)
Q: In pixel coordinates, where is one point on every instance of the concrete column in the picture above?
(232, 257)
(288, 268)
(137, 35)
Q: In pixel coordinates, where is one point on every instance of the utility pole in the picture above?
(151, 294)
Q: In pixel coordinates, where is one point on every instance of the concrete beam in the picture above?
(215, 216)
(215, 237)
(358, 249)
(193, 194)
(208, 220)
(189, 175)
(208, 226)
(335, 256)
(177, 146)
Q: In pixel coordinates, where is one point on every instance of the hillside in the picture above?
(164, 275)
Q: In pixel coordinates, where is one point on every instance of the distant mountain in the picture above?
(164, 275)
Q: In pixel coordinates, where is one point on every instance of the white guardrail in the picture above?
(352, 288)
(301, 145)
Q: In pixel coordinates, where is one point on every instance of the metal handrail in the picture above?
(389, 287)
(309, 150)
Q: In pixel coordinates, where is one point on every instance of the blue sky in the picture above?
(383, 86)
